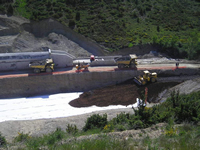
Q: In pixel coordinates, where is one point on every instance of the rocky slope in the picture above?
(20, 35)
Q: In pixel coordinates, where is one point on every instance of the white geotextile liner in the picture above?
(47, 106)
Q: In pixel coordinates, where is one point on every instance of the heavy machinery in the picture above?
(127, 61)
(43, 65)
(83, 65)
(147, 77)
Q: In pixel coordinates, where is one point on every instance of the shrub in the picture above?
(158, 28)
(130, 45)
(21, 137)
(171, 132)
(78, 16)
(138, 124)
(2, 140)
(95, 121)
(120, 128)
(71, 129)
(108, 128)
(72, 24)
(185, 107)
(155, 39)
(122, 118)
(55, 136)
(10, 10)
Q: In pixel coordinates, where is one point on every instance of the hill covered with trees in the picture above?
(174, 25)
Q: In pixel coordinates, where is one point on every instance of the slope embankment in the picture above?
(72, 81)
(68, 82)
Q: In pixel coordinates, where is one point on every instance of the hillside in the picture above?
(117, 24)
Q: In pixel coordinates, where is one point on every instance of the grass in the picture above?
(185, 137)
(180, 112)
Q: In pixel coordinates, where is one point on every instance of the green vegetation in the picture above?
(6, 7)
(118, 24)
(2, 140)
(181, 113)
(95, 121)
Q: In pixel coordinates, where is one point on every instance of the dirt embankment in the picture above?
(121, 94)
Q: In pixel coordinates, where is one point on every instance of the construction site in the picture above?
(110, 87)
(76, 64)
(97, 77)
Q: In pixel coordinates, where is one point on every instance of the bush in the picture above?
(120, 128)
(21, 137)
(78, 16)
(71, 129)
(10, 10)
(55, 136)
(108, 128)
(95, 121)
(130, 45)
(122, 118)
(72, 24)
(186, 107)
(2, 140)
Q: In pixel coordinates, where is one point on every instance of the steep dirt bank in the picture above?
(122, 94)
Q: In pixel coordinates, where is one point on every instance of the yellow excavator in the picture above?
(146, 77)
(43, 65)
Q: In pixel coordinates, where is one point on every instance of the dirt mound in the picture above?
(121, 94)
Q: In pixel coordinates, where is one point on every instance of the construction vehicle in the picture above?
(147, 77)
(127, 61)
(43, 65)
(83, 65)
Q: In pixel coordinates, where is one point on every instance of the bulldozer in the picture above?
(43, 65)
(147, 77)
(127, 61)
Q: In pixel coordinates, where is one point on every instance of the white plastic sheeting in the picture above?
(47, 106)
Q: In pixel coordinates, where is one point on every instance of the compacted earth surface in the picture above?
(121, 94)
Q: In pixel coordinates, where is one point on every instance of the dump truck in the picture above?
(127, 61)
(43, 65)
(147, 77)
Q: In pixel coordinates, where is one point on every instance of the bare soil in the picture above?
(121, 94)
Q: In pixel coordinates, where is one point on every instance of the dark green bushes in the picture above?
(72, 129)
(55, 136)
(186, 107)
(2, 140)
(182, 108)
(95, 121)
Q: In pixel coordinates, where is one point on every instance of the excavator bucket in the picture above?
(137, 81)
